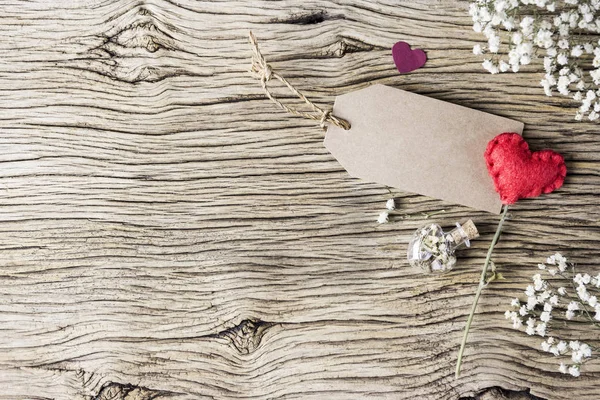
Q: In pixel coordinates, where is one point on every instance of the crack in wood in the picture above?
(118, 391)
(247, 335)
(308, 18)
(498, 393)
(346, 45)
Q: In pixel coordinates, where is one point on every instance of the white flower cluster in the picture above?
(536, 313)
(579, 352)
(390, 205)
(549, 32)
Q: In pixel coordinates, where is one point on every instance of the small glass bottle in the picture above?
(433, 250)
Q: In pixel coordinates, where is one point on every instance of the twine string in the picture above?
(263, 71)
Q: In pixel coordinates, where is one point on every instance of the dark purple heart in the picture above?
(406, 59)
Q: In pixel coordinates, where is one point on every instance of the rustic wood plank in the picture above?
(167, 232)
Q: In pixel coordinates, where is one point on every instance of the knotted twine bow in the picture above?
(263, 71)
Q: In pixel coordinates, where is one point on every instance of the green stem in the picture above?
(482, 284)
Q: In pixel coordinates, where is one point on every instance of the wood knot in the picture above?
(137, 51)
(247, 335)
(140, 35)
(345, 46)
(118, 391)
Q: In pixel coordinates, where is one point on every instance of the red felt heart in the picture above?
(518, 173)
(406, 59)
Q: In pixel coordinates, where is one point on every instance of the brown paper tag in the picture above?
(418, 144)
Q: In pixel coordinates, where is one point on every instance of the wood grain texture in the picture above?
(165, 232)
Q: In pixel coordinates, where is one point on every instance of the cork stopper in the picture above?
(464, 232)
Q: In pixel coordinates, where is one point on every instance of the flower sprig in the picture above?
(559, 29)
(537, 313)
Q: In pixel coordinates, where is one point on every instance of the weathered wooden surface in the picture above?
(166, 232)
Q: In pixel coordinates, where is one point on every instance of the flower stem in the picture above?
(482, 284)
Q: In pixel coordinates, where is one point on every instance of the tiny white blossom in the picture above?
(490, 66)
(562, 291)
(545, 346)
(545, 316)
(588, 47)
(530, 291)
(574, 371)
(574, 344)
(390, 204)
(540, 329)
(532, 302)
(530, 331)
(523, 311)
(517, 322)
(561, 346)
(573, 306)
(562, 59)
(383, 218)
(562, 368)
(585, 350)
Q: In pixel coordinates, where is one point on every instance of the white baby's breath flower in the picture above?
(545, 316)
(517, 322)
(562, 368)
(523, 311)
(383, 217)
(540, 329)
(574, 371)
(390, 205)
(583, 293)
(489, 66)
(562, 59)
(532, 302)
(577, 51)
(477, 50)
(585, 350)
(530, 331)
(561, 346)
(545, 346)
(589, 48)
(530, 291)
